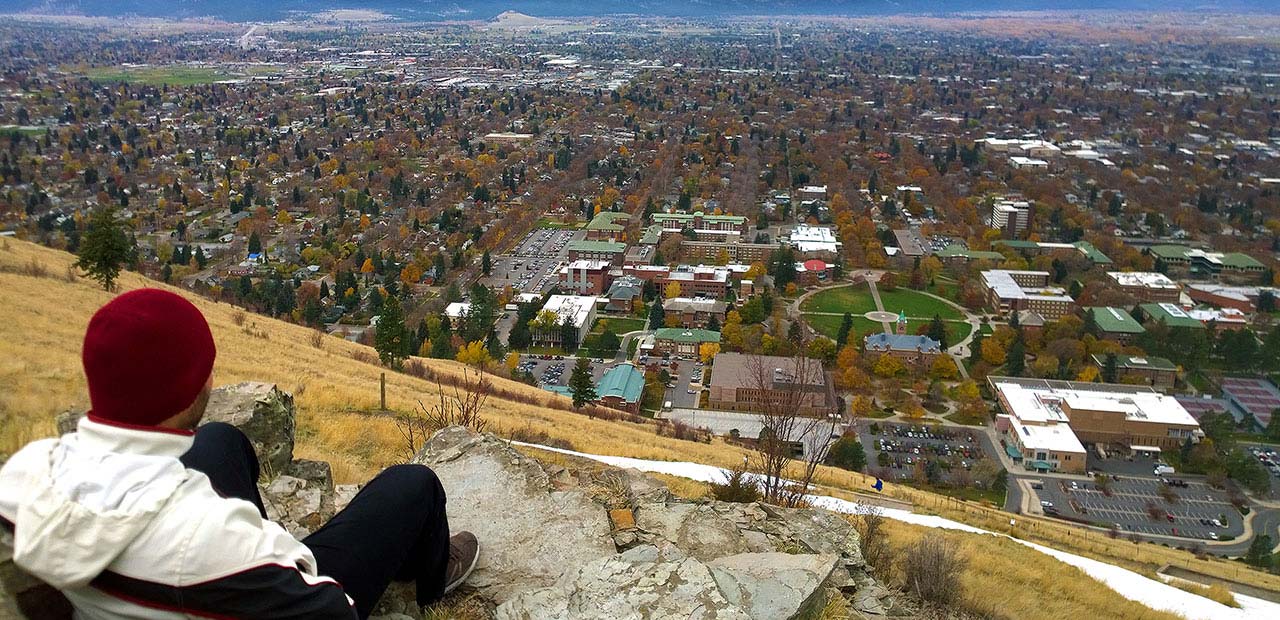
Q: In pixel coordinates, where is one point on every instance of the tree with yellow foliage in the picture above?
(283, 218)
(364, 221)
(993, 352)
(513, 361)
(474, 354)
(672, 290)
(888, 366)
(707, 351)
(943, 368)
(410, 274)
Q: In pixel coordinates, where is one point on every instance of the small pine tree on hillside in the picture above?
(391, 340)
(581, 384)
(106, 246)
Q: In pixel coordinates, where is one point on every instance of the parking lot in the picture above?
(533, 265)
(907, 449)
(1143, 505)
(682, 381)
(556, 369)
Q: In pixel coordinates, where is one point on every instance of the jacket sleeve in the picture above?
(234, 563)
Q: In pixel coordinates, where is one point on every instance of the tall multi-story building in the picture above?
(1013, 217)
(578, 310)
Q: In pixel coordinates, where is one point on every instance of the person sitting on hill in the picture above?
(143, 512)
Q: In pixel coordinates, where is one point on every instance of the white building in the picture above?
(1028, 163)
(578, 310)
(1012, 216)
(814, 241)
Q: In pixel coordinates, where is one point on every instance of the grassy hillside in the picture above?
(44, 310)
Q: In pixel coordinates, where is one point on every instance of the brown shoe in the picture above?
(464, 554)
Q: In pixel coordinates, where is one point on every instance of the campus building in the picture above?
(681, 341)
(608, 226)
(1115, 324)
(1147, 370)
(741, 382)
(609, 251)
(1047, 422)
(621, 387)
(1147, 286)
(733, 248)
(1231, 267)
(695, 311)
(586, 277)
(699, 281)
(1011, 291)
(814, 242)
(578, 310)
(705, 227)
(916, 352)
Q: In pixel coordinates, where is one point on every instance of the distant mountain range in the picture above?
(416, 10)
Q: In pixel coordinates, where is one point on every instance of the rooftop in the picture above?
(608, 220)
(1115, 320)
(1001, 281)
(881, 341)
(739, 370)
(1133, 362)
(1145, 279)
(1235, 260)
(623, 381)
(1170, 314)
(1043, 401)
(1052, 437)
(576, 308)
(587, 245)
(683, 335)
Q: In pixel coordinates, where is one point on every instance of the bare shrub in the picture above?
(316, 339)
(70, 276)
(365, 355)
(783, 394)
(739, 486)
(461, 408)
(684, 432)
(931, 568)
(528, 434)
(238, 317)
(873, 542)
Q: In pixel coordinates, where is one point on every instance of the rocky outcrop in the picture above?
(608, 543)
(532, 530)
(561, 543)
(264, 413)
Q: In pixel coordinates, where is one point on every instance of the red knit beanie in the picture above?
(147, 356)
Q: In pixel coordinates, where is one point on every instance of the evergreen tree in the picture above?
(442, 341)
(938, 330)
(568, 335)
(166, 272)
(581, 384)
(1016, 362)
(486, 263)
(255, 243)
(846, 326)
(657, 316)
(1259, 553)
(105, 248)
(975, 347)
(391, 339)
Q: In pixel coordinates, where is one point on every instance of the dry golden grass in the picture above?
(1004, 579)
(42, 321)
(1216, 592)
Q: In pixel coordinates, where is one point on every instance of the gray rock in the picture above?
(264, 413)
(343, 494)
(67, 420)
(614, 588)
(301, 506)
(773, 586)
(530, 533)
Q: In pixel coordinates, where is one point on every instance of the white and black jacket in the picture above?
(111, 517)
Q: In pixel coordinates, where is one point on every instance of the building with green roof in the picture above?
(1170, 314)
(621, 388)
(1146, 370)
(1115, 323)
(607, 226)
(682, 340)
(956, 253)
(1234, 267)
(1036, 248)
(589, 249)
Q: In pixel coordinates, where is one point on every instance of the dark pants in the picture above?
(394, 529)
